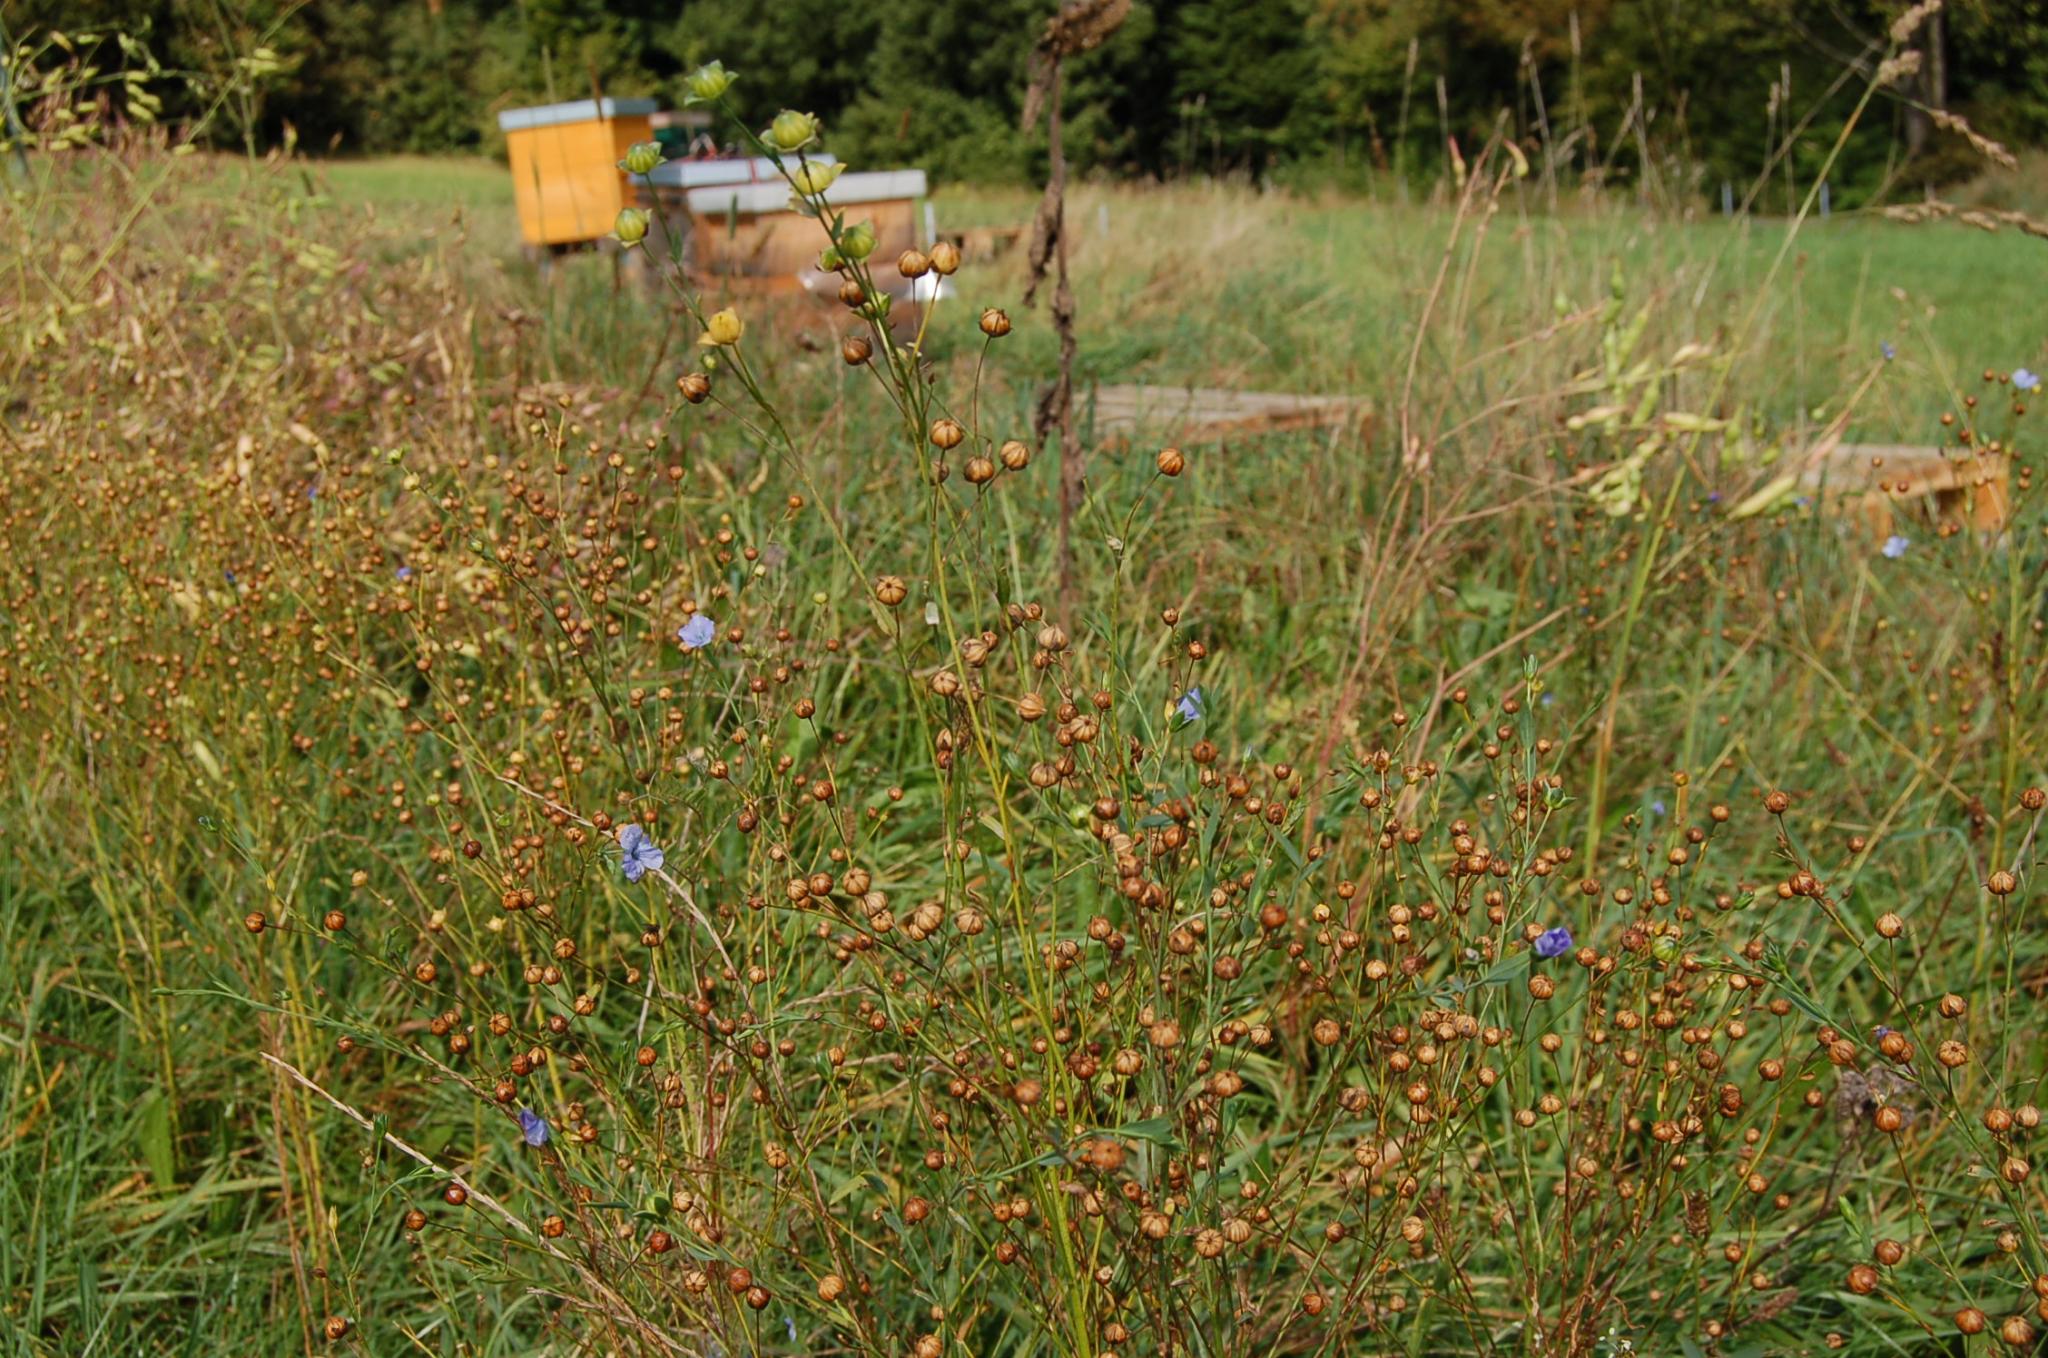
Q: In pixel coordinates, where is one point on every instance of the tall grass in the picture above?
(1453, 887)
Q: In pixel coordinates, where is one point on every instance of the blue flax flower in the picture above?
(2024, 379)
(1895, 547)
(1189, 705)
(637, 853)
(697, 633)
(1554, 942)
(533, 1128)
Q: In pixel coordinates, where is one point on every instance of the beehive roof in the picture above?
(582, 111)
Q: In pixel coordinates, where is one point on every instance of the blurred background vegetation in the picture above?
(1668, 97)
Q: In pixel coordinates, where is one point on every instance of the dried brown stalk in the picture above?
(1077, 28)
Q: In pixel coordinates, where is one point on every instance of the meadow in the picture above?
(543, 818)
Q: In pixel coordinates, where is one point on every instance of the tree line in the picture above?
(1675, 96)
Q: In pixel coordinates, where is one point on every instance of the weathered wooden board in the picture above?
(978, 243)
(1211, 414)
(1884, 486)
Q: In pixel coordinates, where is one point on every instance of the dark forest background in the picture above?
(1679, 94)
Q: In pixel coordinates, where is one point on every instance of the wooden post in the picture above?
(1077, 28)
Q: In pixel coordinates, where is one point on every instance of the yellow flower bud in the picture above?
(812, 178)
(642, 157)
(630, 226)
(792, 131)
(857, 242)
(722, 328)
(709, 81)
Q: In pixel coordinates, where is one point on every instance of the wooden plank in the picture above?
(978, 243)
(1210, 414)
(1881, 485)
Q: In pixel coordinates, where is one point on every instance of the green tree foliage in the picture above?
(1673, 96)
(825, 69)
(1247, 82)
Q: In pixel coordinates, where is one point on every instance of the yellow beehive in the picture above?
(565, 165)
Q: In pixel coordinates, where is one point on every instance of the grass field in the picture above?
(1321, 295)
(1451, 886)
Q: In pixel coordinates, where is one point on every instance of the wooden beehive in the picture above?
(742, 228)
(565, 165)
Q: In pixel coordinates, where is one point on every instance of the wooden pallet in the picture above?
(1885, 486)
(977, 243)
(1210, 414)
